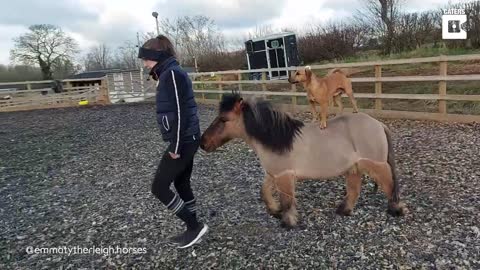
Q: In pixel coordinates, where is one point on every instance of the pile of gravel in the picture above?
(80, 177)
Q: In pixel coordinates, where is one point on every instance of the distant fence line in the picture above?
(442, 78)
(103, 92)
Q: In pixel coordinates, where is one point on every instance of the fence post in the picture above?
(240, 88)
(264, 85)
(294, 98)
(29, 86)
(442, 88)
(142, 87)
(220, 86)
(69, 86)
(202, 86)
(103, 97)
(92, 96)
(378, 87)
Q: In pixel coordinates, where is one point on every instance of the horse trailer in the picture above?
(272, 51)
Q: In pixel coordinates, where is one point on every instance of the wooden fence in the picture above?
(442, 96)
(31, 95)
(39, 94)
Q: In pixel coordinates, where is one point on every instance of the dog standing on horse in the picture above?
(322, 90)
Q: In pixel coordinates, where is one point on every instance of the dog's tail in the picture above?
(347, 71)
(337, 70)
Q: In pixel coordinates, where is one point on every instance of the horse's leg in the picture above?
(382, 174)
(273, 208)
(375, 188)
(354, 185)
(286, 190)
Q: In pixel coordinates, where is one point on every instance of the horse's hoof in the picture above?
(302, 227)
(343, 211)
(284, 225)
(288, 221)
(397, 209)
(277, 214)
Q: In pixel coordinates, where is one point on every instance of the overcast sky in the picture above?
(112, 22)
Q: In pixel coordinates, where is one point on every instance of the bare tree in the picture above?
(99, 57)
(261, 31)
(44, 45)
(416, 29)
(65, 68)
(148, 35)
(472, 10)
(381, 16)
(19, 73)
(102, 56)
(126, 56)
(193, 36)
(170, 28)
(335, 40)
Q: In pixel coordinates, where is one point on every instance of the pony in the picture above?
(289, 150)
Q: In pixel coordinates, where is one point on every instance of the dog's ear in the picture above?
(308, 72)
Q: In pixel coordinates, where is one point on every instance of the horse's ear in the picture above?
(239, 106)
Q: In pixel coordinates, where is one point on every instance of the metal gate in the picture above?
(130, 86)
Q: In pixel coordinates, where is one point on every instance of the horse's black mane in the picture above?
(274, 129)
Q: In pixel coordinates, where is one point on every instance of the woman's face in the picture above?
(149, 63)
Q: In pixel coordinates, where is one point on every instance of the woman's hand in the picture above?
(174, 156)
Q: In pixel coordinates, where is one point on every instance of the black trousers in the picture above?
(179, 172)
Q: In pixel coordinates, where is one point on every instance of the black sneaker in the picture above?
(191, 237)
(177, 239)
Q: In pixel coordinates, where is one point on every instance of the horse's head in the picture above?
(227, 125)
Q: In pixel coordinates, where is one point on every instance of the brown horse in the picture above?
(289, 150)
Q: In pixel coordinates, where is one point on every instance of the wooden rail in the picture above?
(33, 95)
(37, 96)
(378, 96)
(443, 58)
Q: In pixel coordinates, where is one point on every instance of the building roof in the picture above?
(273, 36)
(97, 74)
(89, 75)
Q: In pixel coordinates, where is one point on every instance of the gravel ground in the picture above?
(80, 177)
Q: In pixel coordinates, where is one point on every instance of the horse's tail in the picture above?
(391, 162)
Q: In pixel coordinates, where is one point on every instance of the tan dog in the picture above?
(320, 90)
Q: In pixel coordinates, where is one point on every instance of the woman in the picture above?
(179, 126)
